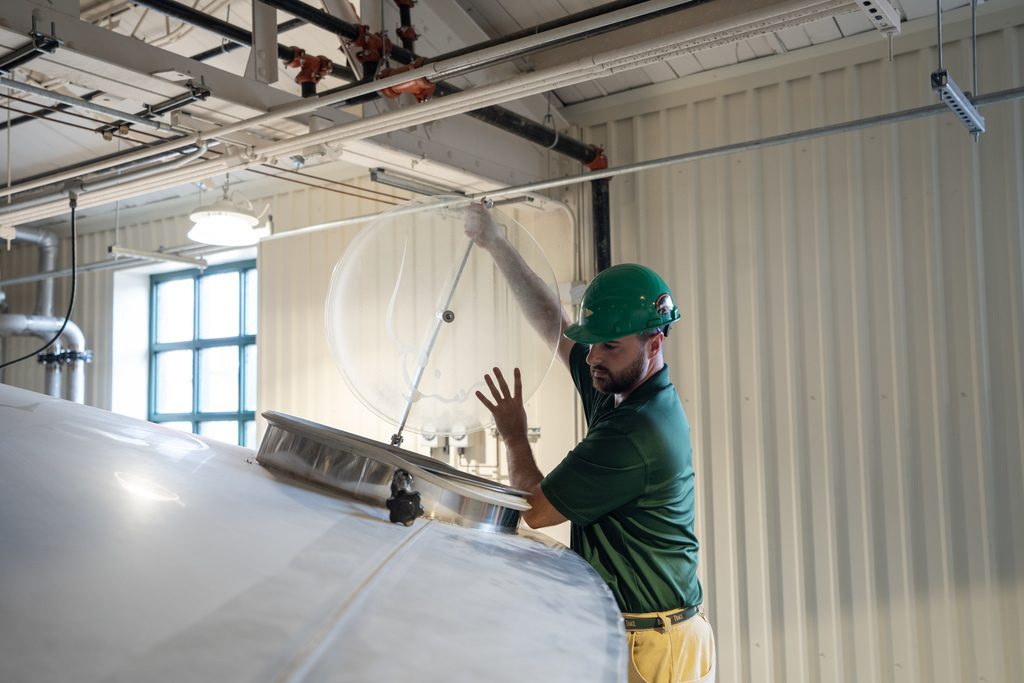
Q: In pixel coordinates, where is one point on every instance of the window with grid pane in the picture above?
(203, 352)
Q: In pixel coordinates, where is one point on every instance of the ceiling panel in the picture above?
(852, 23)
(685, 65)
(794, 38)
(722, 55)
(822, 31)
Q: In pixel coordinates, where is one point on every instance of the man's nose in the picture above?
(592, 356)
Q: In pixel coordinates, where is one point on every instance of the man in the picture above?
(627, 487)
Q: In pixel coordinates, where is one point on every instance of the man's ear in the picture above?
(655, 342)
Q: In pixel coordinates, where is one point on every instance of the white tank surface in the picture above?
(131, 552)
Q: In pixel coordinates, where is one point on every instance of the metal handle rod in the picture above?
(396, 439)
(938, 24)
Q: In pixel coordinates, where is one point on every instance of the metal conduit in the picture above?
(514, 88)
(86, 104)
(116, 178)
(432, 72)
(553, 33)
(574, 27)
(521, 190)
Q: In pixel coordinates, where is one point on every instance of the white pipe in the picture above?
(48, 244)
(163, 167)
(85, 104)
(142, 153)
(44, 327)
(52, 381)
(434, 71)
(796, 12)
(74, 339)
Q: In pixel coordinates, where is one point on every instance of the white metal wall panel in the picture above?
(851, 355)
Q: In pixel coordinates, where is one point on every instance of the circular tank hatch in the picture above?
(416, 314)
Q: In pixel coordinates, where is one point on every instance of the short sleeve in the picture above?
(580, 372)
(603, 473)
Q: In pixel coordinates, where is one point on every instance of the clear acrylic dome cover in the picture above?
(413, 303)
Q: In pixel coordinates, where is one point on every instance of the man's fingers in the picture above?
(494, 389)
(505, 393)
(490, 406)
(517, 384)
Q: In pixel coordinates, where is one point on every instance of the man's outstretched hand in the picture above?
(481, 226)
(508, 409)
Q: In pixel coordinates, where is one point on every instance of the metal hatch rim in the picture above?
(435, 472)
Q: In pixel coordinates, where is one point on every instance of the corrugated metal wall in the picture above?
(851, 356)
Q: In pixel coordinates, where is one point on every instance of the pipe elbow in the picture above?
(73, 337)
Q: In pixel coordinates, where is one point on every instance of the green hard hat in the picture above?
(622, 300)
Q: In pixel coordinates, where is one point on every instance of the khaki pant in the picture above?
(681, 652)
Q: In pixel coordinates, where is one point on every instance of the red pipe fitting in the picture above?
(407, 33)
(311, 69)
(421, 88)
(600, 161)
(371, 45)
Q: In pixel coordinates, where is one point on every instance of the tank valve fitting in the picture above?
(404, 503)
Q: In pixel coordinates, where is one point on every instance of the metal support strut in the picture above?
(445, 315)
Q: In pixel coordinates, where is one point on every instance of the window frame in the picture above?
(241, 341)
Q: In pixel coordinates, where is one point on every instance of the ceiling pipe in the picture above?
(110, 179)
(79, 103)
(573, 27)
(48, 244)
(758, 23)
(497, 52)
(527, 189)
(227, 30)
(234, 45)
(199, 57)
(305, 106)
(530, 188)
(238, 35)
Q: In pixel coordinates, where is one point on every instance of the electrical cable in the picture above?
(73, 202)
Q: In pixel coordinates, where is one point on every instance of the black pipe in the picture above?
(530, 130)
(230, 31)
(232, 46)
(599, 202)
(405, 15)
(497, 116)
(199, 57)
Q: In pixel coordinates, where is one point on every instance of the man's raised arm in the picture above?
(540, 305)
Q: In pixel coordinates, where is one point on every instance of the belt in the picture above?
(644, 623)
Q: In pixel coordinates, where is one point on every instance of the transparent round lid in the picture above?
(416, 315)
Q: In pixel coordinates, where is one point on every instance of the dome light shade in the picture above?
(224, 224)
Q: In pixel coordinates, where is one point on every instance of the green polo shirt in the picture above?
(627, 488)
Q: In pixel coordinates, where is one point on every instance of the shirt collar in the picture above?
(653, 385)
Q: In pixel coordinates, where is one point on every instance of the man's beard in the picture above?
(616, 383)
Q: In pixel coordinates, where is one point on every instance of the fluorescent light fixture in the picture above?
(391, 179)
(224, 224)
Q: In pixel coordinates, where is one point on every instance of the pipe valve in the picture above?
(405, 504)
